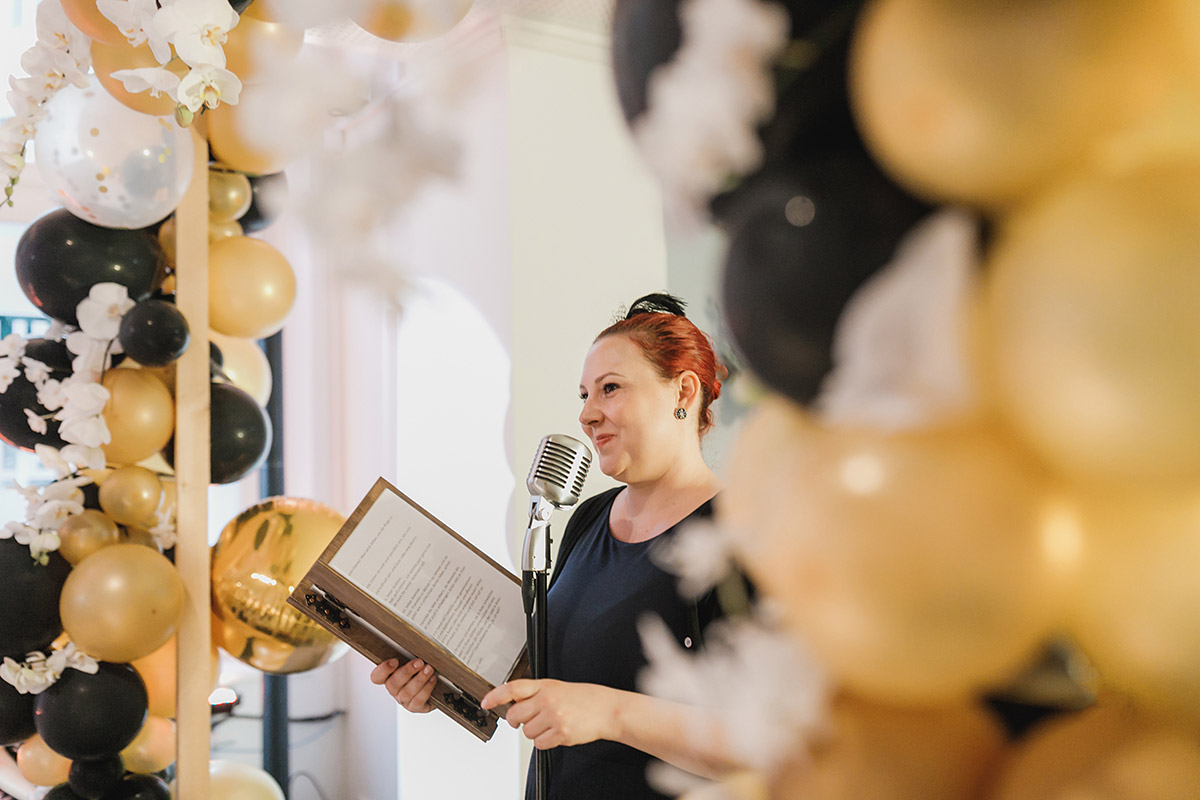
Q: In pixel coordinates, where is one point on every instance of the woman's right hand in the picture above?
(411, 684)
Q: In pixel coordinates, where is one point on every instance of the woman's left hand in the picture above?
(557, 713)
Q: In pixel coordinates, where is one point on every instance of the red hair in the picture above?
(673, 345)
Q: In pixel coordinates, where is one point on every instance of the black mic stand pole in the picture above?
(535, 573)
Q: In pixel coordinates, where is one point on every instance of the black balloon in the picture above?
(16, 715)
(29, 593)
(60, 257)
(240, 434)
(14, 424)
(140, 787)
(84, 716)
(803, 242)
(268, 196)
(644, 36)
(154, 333)
(62, 792)
(54, 355)
(240, 5)
(94, 778)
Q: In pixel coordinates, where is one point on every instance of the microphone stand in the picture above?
(535, 574)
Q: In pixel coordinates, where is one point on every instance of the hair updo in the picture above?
(671, 342)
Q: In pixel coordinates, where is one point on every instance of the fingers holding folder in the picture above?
(411, 684)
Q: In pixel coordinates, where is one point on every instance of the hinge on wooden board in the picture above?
(329, 607)
(467, 706)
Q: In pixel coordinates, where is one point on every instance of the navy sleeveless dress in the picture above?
(601, 589)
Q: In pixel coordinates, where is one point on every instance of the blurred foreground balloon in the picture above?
(231, 147)
(29, 615)
(269, 194)
(109, 164)
(911, 563)
(39, 764)
(92, 716)
(251, 287)
(1105, 752)
(122, 602)
(231, 780)
(60, 257)
(257, 562)
(876, 752)
(256, 46)
(410, 20)
(1094, 332)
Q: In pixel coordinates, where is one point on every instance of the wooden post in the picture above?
(192, 443)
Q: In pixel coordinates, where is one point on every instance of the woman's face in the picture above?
(628, 412)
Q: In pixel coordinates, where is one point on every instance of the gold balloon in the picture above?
(140, 415)
(166, 239)
(108, 58)
(229, 144)
(84, 533)
(40, 765)
(1136, 599)
(246, 366)
(256, 43)
(985, 102)
(1105, 753)
(261, 10)
(153, 749)
(257, 562)
(229, 195)
(230, 780)
(251, 288)
(884, 753)
(85, 15)
(139, 536)
(910, 563)
(1095, 336)
(399, 21)
(160, 673)
(223, 230)
(122, 602)
(131, 495)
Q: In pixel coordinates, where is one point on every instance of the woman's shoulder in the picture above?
(593, 506)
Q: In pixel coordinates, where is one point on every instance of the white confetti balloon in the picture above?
(108, 164)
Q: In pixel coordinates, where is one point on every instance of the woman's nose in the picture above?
(588, 415)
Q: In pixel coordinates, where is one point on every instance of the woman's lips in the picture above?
(605, 439)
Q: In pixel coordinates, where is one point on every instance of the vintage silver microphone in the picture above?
(555, 481)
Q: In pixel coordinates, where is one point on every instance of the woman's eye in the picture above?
(609, 388)
(583, 396)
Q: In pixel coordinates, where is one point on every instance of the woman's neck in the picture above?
(646, 509)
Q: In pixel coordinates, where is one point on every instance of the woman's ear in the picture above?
(688, 389)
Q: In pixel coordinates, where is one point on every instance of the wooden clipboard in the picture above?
(349, 612)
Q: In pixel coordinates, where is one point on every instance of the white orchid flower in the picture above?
(89, 359)
(70, 657)
(37, 423)
(84, 457)
(101, 311)
(155, 80)
(18, 530)
(51, 67)
(51, 394)
(56, 30)
(9, 372)
(131, 17)
(12, 345)
(54, 513)
(44, 543)
(24, 678)
(83, 399)
(208, 86)
(198, 29)
(52, 459)
(36, 372)
(86, 431)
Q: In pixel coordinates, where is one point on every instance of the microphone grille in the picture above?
(559, 469)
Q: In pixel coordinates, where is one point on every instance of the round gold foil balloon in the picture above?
(1094, 332)
(1107, 753)
(911, 564)
(140, 415)
(257, 562)
(984, 102)
(229, 195)
(108, 58)
(230, 146)
(884, 753)
(40, 765)
(1136, 599)
(256, 44)
(405, 21)
(131, 495)
(251, 287)
(246, 366)
(85, 15)
(122, 602)
(230, 780)
(84, 533)
(153, 749)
